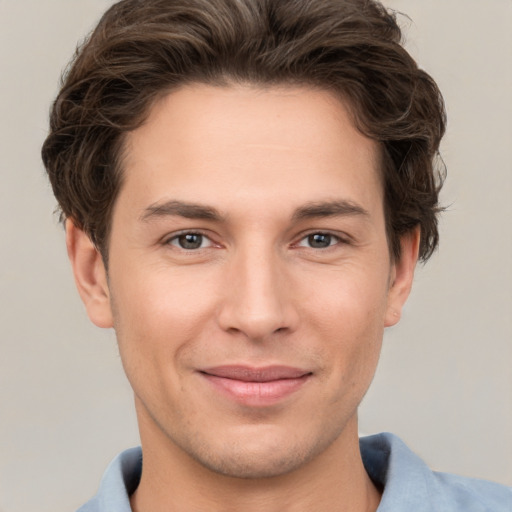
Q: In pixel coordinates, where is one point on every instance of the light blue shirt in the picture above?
(409, 485)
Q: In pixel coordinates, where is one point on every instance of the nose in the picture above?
(257, 299)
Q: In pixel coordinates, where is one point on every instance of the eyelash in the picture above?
(176, 237)
(336, 239)
(306, 237)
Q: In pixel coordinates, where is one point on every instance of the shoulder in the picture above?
(408, 483)
(473, 494)
(119, 481)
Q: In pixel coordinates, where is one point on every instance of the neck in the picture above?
(335, 481)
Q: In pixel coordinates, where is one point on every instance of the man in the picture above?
(247, 187)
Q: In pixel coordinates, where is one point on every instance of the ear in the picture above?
(90, 275)
(402, 274)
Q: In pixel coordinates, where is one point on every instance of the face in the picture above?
(249, 275)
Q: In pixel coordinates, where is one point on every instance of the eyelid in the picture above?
(167, 239)
(342, 238)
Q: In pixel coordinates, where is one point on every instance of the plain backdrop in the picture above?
(444, 383)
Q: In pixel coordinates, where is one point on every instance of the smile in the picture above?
(256, 386)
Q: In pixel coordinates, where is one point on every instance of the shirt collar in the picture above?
(407, 483)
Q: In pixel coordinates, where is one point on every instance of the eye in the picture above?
(319, 240)
(190, 241)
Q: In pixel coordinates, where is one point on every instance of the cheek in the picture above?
(352, 299)
(156, 314)
(348, 320)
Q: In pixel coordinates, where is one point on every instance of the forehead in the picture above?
(244, 143)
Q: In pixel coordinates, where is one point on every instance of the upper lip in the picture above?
(256, 374)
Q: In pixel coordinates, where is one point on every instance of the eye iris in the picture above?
(319, 240)
(190, 241)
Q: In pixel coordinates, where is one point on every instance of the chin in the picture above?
(247, 465)
(257, 459)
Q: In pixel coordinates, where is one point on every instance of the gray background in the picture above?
(444, 383)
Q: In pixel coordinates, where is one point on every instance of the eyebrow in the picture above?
(198, 211)
(329, 209)
(181, 209)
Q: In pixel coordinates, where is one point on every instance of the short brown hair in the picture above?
(143, 49)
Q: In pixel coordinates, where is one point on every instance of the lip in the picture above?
(251, 386)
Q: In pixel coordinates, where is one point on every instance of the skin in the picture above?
(264, 170)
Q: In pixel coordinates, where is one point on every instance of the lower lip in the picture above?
(257, 393)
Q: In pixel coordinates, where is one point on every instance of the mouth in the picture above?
(256, 386)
